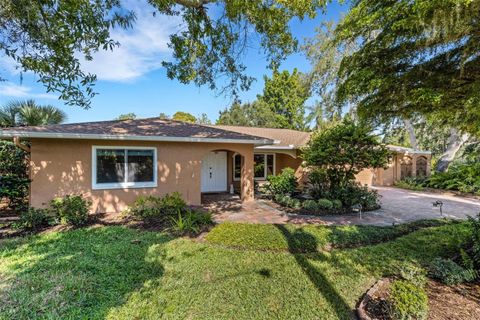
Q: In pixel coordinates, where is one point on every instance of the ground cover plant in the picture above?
(310, 238)
(171, 212)
(120, 273)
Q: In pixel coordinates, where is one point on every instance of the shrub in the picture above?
(474, 245)
(145, 207)
(354, 194)
(411, 183)
(325, 204)
(337, 204)
(449, 272)
(320, 183)
(340, 152)
(149, 207)
(287, 201)
(71, 209)
(33, 218)
(462, 177)
(284, 183)
(14, 180)
(191, 221)
(294, 203)
(310, 205)
(407, 301)
(172, 203)
(15, 190)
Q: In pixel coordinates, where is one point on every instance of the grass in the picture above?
(310, 238)
(119, 273)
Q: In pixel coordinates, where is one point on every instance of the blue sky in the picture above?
(131, 78)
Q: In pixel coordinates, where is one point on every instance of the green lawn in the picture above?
(119, 273)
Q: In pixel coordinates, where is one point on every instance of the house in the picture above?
(113, 162)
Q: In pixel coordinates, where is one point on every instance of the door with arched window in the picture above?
(405, 167)
(421, 166)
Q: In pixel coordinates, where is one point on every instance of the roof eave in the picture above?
(274, 147)
(53, 135)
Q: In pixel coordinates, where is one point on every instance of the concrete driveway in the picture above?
(405, 205)
(398, 206)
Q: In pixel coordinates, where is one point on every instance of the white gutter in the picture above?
(271, 147)
(408, 150)
(53, 135)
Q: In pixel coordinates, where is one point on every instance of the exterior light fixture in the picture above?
(438, 204)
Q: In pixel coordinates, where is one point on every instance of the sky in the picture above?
(132, 79)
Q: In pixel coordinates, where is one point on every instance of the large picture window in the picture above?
(129, 167)
(263, 166)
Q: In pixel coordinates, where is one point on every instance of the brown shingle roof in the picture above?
(284, 137)
(150, 129)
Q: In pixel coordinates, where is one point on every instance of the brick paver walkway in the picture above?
(398, 206)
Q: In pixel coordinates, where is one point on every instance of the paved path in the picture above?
(398, 206)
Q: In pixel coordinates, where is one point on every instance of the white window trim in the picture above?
(265, 169)
(125, 184)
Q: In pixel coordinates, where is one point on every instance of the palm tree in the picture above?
(28, 113)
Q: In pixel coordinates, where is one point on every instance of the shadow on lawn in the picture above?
(322, 284)
(77, 274)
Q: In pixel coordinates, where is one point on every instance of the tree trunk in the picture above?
(411, 133)
(454, 143)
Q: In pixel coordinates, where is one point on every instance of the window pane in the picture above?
(270, 165)
(110, 166)
(237, 166)
(140, 166)
(259, 165)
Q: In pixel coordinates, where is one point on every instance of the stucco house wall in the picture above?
(393, 172)
(61, 166)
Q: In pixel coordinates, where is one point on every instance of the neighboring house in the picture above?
(113, 162)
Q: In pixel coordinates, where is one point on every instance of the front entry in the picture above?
(214, 172)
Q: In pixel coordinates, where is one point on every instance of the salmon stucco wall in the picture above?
(60, 167)
(392, 173)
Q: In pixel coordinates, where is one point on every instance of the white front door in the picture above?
(214, 172)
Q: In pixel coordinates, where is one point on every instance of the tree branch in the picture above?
(193, 3)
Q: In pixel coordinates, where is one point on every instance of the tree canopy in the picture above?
(127, 116)
(203, 119)
(255, 114)
(325, 57)
(285, 95)
(184, 116)
(48, 37)
(416, 56)
(28, 113)
(346, 149)
(281, 105)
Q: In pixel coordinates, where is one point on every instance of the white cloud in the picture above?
(18, 91)
(141, 49)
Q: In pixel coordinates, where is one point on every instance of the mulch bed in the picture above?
(460, 302)
(103, 219)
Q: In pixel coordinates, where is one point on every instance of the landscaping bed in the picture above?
(166, 214)
(458, 302)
